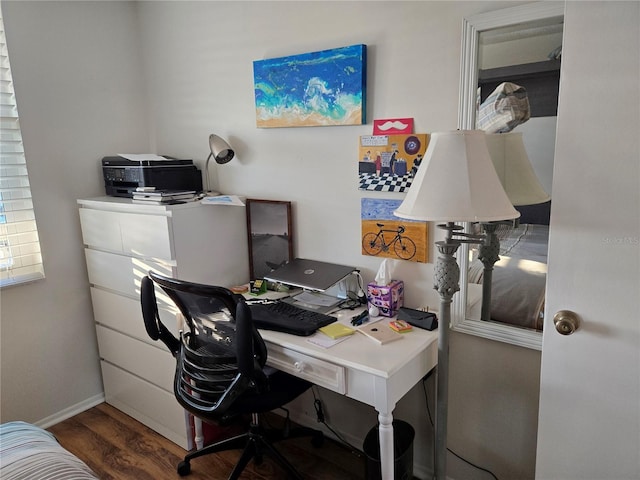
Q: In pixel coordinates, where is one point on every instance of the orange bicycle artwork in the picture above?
(386, 235)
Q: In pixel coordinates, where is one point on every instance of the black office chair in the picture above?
(220, 369)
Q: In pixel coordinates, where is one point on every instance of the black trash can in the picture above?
(403, 434)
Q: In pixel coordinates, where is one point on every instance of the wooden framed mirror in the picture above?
(519, 45)
(270, 236)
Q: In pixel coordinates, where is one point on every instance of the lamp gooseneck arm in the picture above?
(206, 174)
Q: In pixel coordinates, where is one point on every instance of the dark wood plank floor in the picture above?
(115, 447)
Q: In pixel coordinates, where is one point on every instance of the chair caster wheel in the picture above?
(184, 468)
(317, 440)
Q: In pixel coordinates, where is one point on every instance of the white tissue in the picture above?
(383, 277)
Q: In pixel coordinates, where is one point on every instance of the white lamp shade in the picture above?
(514, 169)
(457, 182)
(220, 150)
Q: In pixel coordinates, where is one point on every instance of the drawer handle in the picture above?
(299, 366)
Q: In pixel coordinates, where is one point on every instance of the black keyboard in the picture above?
(284, 317)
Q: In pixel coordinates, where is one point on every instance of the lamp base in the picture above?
(447, 283)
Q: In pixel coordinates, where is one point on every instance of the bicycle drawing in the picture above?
(375, 243)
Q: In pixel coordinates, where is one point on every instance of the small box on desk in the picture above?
(388, 298)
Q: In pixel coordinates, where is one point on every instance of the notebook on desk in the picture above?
(310, 274)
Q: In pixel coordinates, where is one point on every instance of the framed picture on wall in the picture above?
(320, 88)
(270, 238)
(385, 235)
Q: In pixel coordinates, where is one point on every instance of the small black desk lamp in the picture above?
(221, 152)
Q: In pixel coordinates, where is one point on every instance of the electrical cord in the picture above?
(317, 404)
(350, 303)
(354, 299)
(361, 296)
(426, 397)
(472, 464)
(319, 413)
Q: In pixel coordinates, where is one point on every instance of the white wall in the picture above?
(192, 63)
(80, 96)
(198, 59)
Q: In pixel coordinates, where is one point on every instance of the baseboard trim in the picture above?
(71, 411)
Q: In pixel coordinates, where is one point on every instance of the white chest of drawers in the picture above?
(123, 241)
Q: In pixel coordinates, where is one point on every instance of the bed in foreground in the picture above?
(28, 452)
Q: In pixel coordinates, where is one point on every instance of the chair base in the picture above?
(255, 443)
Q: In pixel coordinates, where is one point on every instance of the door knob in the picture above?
(566, 322)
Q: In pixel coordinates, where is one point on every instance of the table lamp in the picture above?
(221, 152)
(456, 182)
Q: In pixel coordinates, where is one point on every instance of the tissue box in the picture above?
(388, 298)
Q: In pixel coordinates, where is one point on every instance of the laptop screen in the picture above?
(309, 274)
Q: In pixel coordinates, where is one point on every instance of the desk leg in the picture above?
(198, 434)
(385, 434)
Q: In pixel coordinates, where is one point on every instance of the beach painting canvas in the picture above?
(312, 89)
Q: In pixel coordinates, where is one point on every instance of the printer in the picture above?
(122, 176)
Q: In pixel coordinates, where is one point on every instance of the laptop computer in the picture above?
(309, 274)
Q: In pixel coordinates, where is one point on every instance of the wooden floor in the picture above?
(115, 446)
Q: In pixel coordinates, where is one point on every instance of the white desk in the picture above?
(377, 375)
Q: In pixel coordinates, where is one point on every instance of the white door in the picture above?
(589, 421)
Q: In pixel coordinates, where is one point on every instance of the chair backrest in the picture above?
(152, 323)
(219, 356)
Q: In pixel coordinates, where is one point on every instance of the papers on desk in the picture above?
(160, 197)
(337, 330)
(316, 299)
(331, 334)
(138, 157)
(324, 341)
(223, 200)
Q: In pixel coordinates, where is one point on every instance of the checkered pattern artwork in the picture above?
(385, 182)
(388, 163)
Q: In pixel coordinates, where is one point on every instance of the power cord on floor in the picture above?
(317, 404)
(426, 397)
(319, 413)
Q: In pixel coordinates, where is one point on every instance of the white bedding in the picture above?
(519, 277)
(28, 452)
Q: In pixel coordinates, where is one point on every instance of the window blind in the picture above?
(20, 257)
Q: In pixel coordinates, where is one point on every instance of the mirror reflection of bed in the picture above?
(517, 55)
(519, 277)
(520, 45)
